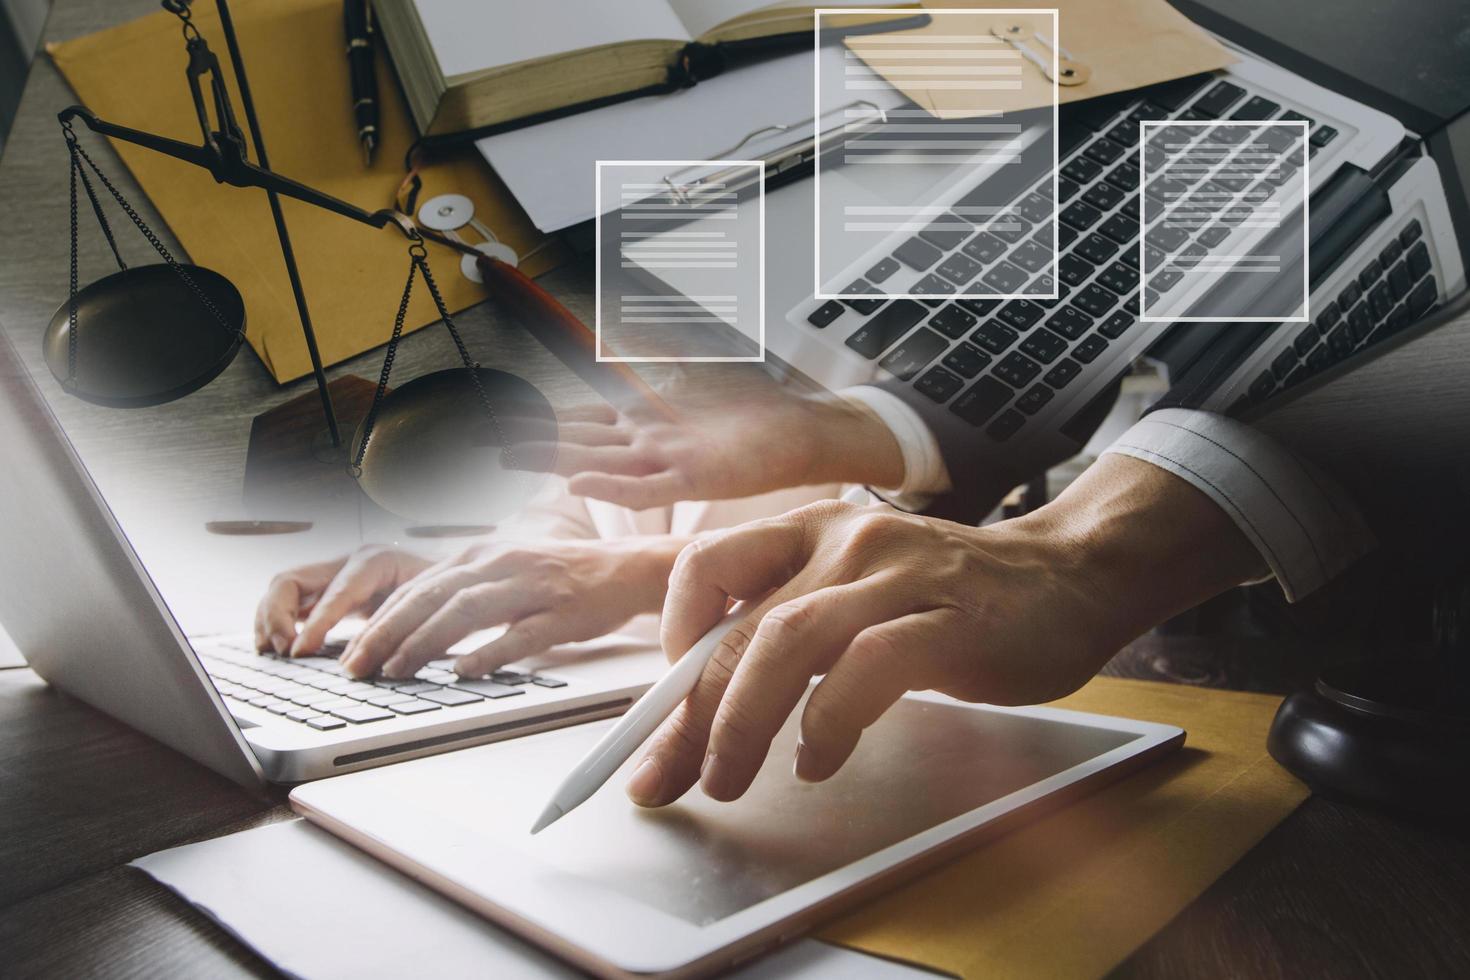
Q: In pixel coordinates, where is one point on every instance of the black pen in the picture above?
(357, 17)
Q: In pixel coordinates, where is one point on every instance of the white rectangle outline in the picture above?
(1056, 232)
(1306, 316)
(757, 358)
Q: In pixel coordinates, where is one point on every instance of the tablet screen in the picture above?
(922, 764)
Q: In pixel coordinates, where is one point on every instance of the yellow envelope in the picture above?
(1125, 44)
(353, 275)
(1073, 894)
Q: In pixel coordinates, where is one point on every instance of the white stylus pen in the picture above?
(633, 729)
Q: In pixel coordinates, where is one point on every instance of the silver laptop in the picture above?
(1025, 374)
(84, 611)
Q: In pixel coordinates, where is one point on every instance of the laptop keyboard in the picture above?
(995, 363)
(316, 691)
(1390, 292)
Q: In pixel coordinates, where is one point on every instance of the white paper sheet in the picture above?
(551, 167)
(319, 909)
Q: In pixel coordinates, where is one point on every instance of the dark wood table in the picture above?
(1333, 891)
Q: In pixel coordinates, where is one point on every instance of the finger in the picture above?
(598, 412)
(524, 638)
(882, 664)
(743, 563)
(383, 635)
(677, 750)
(475, 608)
(569, 460)
(633, 492)
(286, 598)
(365, 574)
(593, 434)
(801, 636)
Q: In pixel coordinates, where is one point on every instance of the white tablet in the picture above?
(697, 886)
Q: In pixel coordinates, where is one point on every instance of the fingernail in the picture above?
(392, 667)
(643, 787)
(280, 642)
(714, 778)
(806, 767)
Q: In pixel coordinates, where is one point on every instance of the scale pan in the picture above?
(436, 458)
(144, 338)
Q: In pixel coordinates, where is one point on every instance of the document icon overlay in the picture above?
(1224, 221)
(922, 202)
(707, 231)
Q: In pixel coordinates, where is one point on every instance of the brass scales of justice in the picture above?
(146, 335)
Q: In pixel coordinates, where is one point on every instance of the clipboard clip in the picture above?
(683, 193)
(1069, 70)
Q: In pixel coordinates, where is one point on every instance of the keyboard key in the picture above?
(938, 385)
(1418, 259)
(953, 321)
(1045, 286)
(1255, 108)
(1284, 363)
(1371, 273)
(1217, 100)
(281, 707)
(1306, 339)
(1340, 342)
(1034, 208)
(913, 353)
(510, 677)
(1349, 297)
(1065, 370)
(1124, 177)
(959, 269)
(1116, 324)
(388, 699)
(1044, 345)
(1034, 399)
(1213, 235)
(1166, 280)
(1030, 256)
(360, 714)
(1006, 426)
(486, 688)
(1010, 228)
(1399, 280)
(881, 271)
(1390, 253)
(1264, 384)
(864, 306)
(932, 285)
(823, 315)
(917, 254)
(1318, 359)
(1359, 322)
(1094, 300)
(966, 359)
(1424, 296)
(303, 714)
(325, 723)
(1124, 133)
(1329, 316)
(947, 231)
(886, 328)
(1173, 94)
(1081, 170)
(1016, 370)
(1104, 151)
(1380, 301)
(1167, 237)
(1067, 189)
(1119, 278)
(1004, 278)
(1070, 322)
(979, 307)
(414, 706)
(1074, 270)
(1080, 215)
(995, 336)
(981, 401)
(1020, 313)
(1089, 349)
(1104, 196)
(1411, 233)
(1096, 249)
(984, 248)
(541, 680)
(450, 697)
(1120, 229)
(1323, 135)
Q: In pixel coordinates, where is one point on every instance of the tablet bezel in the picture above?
(612, 934)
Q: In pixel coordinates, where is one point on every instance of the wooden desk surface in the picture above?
(1332, 891)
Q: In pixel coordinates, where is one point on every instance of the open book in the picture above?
(469, 64)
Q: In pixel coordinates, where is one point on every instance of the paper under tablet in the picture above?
(462, 820)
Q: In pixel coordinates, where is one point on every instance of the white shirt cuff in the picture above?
(924, 474)
(1303, 524)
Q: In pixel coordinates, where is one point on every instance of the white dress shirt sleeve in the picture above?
(1303, 524)
(924, 474)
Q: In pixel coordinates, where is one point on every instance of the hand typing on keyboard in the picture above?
(719, 446)
(545, 593)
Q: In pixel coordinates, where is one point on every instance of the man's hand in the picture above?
(719, 448)
(882, 603)
(544, 592)
(325, 593)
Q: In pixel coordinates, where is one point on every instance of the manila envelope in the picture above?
(1125, 44)
(352, 274)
